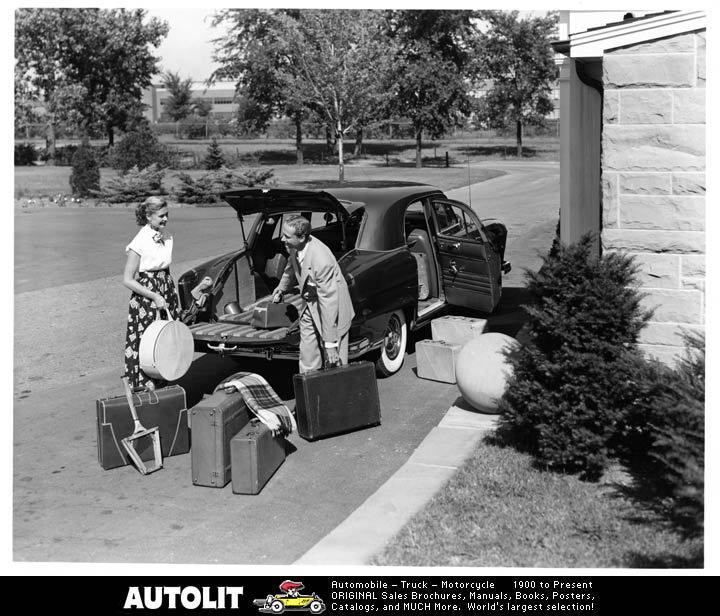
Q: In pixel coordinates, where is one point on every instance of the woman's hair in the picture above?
(150, 205)
(299, 224)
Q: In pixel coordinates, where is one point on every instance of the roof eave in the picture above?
(594, 43)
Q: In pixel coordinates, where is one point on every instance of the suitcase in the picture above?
(436, 360)
(271, 315)
(457, 330)
(165, 408)
(336, 400)
(215, 420)
(255, 455)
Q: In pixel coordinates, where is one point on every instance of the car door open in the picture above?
(469, 263)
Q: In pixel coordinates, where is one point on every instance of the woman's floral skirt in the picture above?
(141, 313)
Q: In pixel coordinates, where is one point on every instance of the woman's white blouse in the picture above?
(153, 255)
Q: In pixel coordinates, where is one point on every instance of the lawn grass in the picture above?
(44, 181)
(500, 511)
(381, 159)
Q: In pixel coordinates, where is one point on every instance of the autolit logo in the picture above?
(290, 599)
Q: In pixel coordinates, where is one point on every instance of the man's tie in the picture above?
(295, 264)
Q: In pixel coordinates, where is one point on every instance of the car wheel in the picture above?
(392, 353)
(277, 607)
(316, 607)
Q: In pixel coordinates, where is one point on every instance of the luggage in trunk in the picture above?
(457, 330)
(336, 400)
(255, 455)
(436, 360)
(214, 421)
(165, 408)
(270, 315)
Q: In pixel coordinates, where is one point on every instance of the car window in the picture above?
(455, 222)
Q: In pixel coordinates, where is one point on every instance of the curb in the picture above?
(361, 535)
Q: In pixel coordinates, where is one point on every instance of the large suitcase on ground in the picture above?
(255, 455)
(336, 400)
(456, 329)
(165, 408)
(214, 421)
(436, 360)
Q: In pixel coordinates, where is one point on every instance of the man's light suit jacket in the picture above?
(329, 302)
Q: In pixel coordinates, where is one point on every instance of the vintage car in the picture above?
(277, 604)
(408, 253)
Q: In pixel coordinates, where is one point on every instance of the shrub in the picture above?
(25, 154)
(562, 402)
(207, 188)
(669, 455)
(215, 158)
(85, 176)
(141, 149)
(135, 185)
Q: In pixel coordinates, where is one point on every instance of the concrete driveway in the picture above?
(69, 328)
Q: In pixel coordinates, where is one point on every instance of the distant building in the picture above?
(221, 96)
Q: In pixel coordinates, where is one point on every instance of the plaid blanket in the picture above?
(262, 401)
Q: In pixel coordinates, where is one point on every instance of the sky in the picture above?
(187, 50)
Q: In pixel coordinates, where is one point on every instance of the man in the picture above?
(327, 310)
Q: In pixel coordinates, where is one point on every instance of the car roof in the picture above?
(385, 202)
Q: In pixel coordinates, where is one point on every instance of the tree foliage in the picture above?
(214, 159)
(250, 53)
(432, 69)
(179, 104)
(89, 66)
(207, 187)
(519, 62)
(85, 176)
(326, 63)
(134, 185)
(139, 148)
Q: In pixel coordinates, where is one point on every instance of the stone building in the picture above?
(633, 155)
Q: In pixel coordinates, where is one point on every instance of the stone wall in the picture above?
(653, 179)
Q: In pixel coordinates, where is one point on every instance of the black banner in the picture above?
(382, 595)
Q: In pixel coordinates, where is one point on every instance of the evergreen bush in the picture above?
(133, 186)
(215, 159)
(207, 188)
(562, 402)
(140, 148)
(25, 154)
(85, 176)
(669, 457)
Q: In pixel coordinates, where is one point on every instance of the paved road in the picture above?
(69, 327)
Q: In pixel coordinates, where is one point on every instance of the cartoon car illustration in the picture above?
(290, 599)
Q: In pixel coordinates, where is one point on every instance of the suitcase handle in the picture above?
(142, 389)
(326, 366)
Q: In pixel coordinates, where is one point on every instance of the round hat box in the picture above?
(166, 349)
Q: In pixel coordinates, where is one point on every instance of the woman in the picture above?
(147, 275)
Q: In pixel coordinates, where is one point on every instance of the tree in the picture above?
(519, 61)
(335, 64)
(253, 53)
(179, 104)
(214, 159)
(432, 69)
(325, 63)
(201, 107)
(85, 176)
(89, 66)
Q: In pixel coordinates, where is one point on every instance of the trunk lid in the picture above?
(246, 201)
